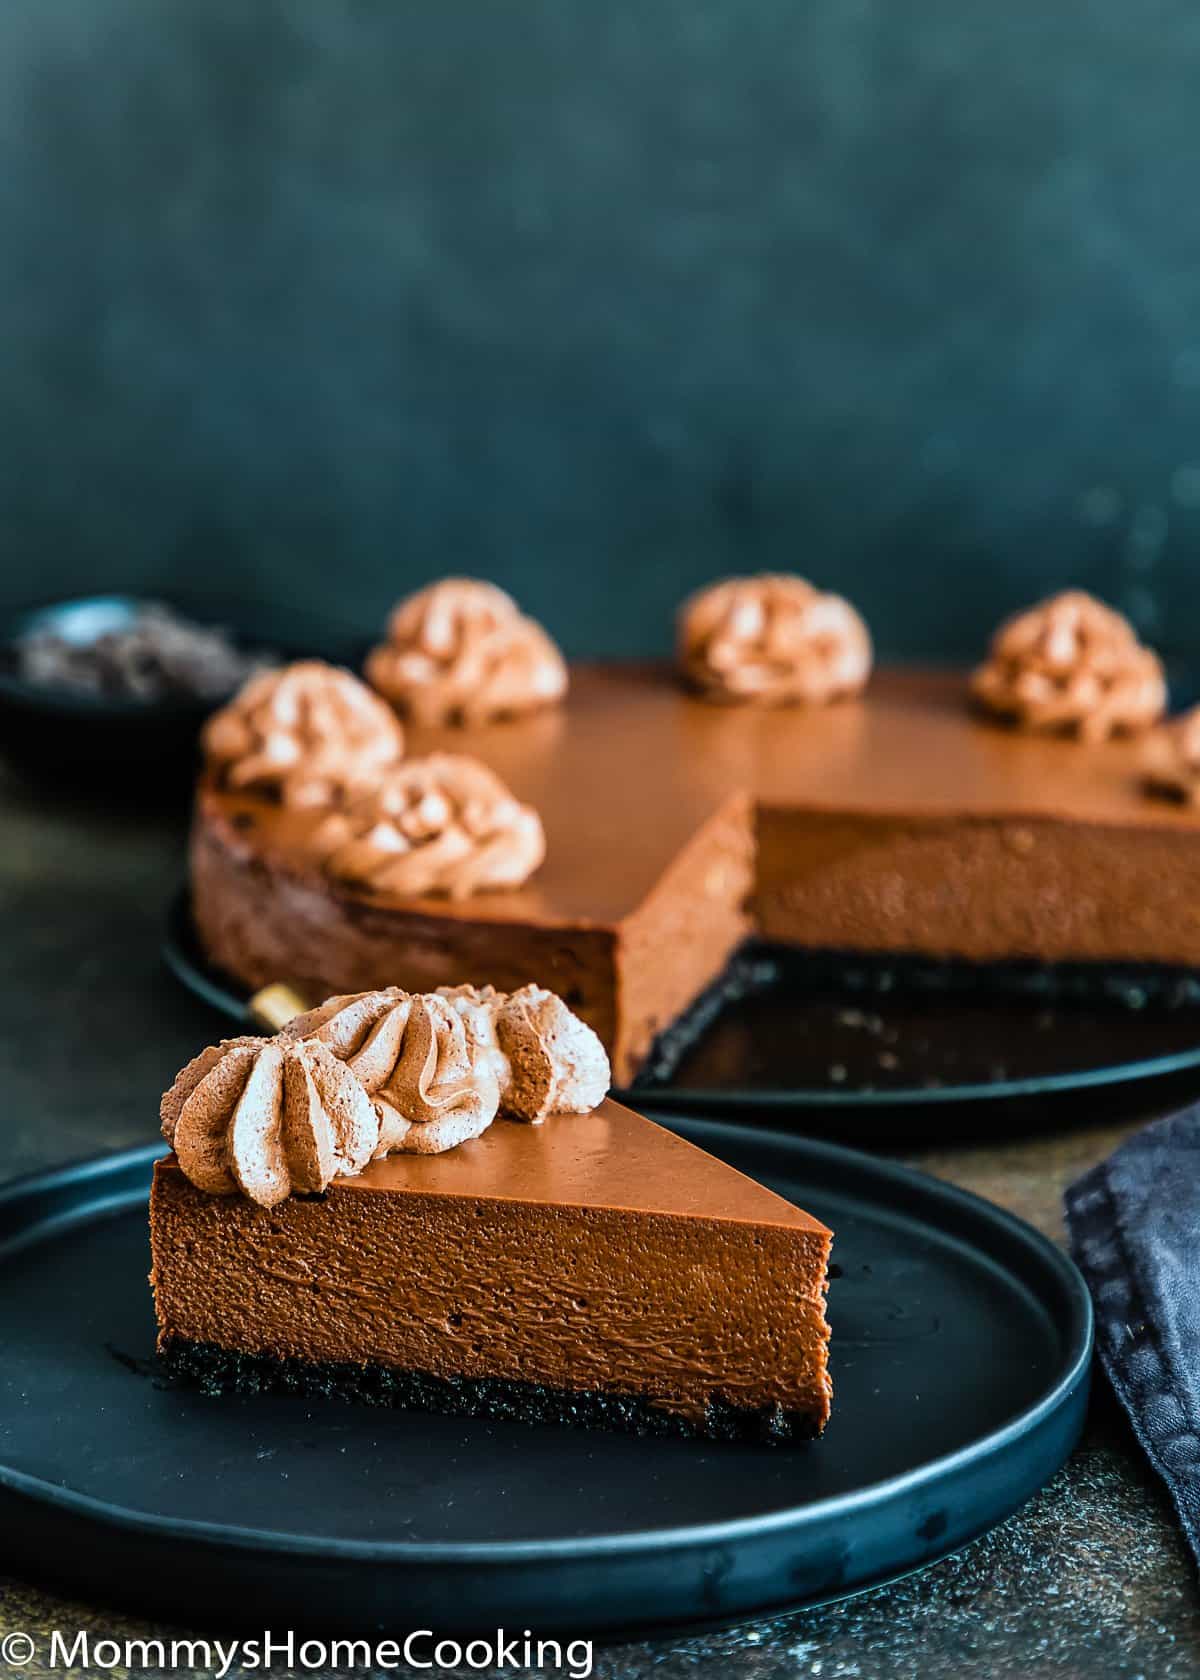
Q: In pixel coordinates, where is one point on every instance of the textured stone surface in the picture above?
(1090, 1579)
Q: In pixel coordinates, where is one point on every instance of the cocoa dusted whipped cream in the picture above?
(374, 1074)
(461, 651)
(268, 1117)
(525, 1050)
(1071, 665)
(411, 1052)
(445, 824)
(1172, 759)
(549, 1061)
(308, 734)
(773, 639)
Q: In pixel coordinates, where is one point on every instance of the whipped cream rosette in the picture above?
(444, 825)
(521, 1053)
(774, 639)
(1074, 666)
(373, 1074)
(432, 1086)
(461, 651)
(550, 1062)
(269, 1117)
(308, 734)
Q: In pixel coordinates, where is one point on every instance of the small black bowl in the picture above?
(116, 738)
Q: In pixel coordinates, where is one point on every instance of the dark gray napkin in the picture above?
(1134, 1224)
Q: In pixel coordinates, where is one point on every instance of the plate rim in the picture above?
(222, 995)
(1077, 1329)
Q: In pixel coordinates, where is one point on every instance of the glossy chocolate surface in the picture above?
(625, 773)
(911, 744)
(611, 1158)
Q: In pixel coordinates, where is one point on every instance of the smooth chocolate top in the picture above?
(610, 1158)
(627, 771)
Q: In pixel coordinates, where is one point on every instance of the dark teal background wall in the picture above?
(321, 298)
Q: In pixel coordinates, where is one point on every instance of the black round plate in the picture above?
(960, 1357)
(831, 1038)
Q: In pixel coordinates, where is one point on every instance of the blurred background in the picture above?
(314, 302)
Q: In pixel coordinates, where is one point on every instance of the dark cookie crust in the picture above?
(216, 1370)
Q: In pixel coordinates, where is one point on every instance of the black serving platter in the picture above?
(960, 1358)
(117, 739)
(857, 1041)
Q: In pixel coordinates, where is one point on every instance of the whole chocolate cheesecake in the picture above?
(430, 1201)
(646, 823)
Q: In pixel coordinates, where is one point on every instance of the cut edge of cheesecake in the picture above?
(595, 1270)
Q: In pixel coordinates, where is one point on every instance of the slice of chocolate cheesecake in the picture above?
(592, 1269)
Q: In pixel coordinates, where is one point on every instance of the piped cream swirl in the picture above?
(432, 1086)
(772, 639)
(524, 1053)
(308, 734)
(268, 1117)
(461, 651)
(372, 1074)
(1074, 666)
(445, 824)
(551, 1062)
